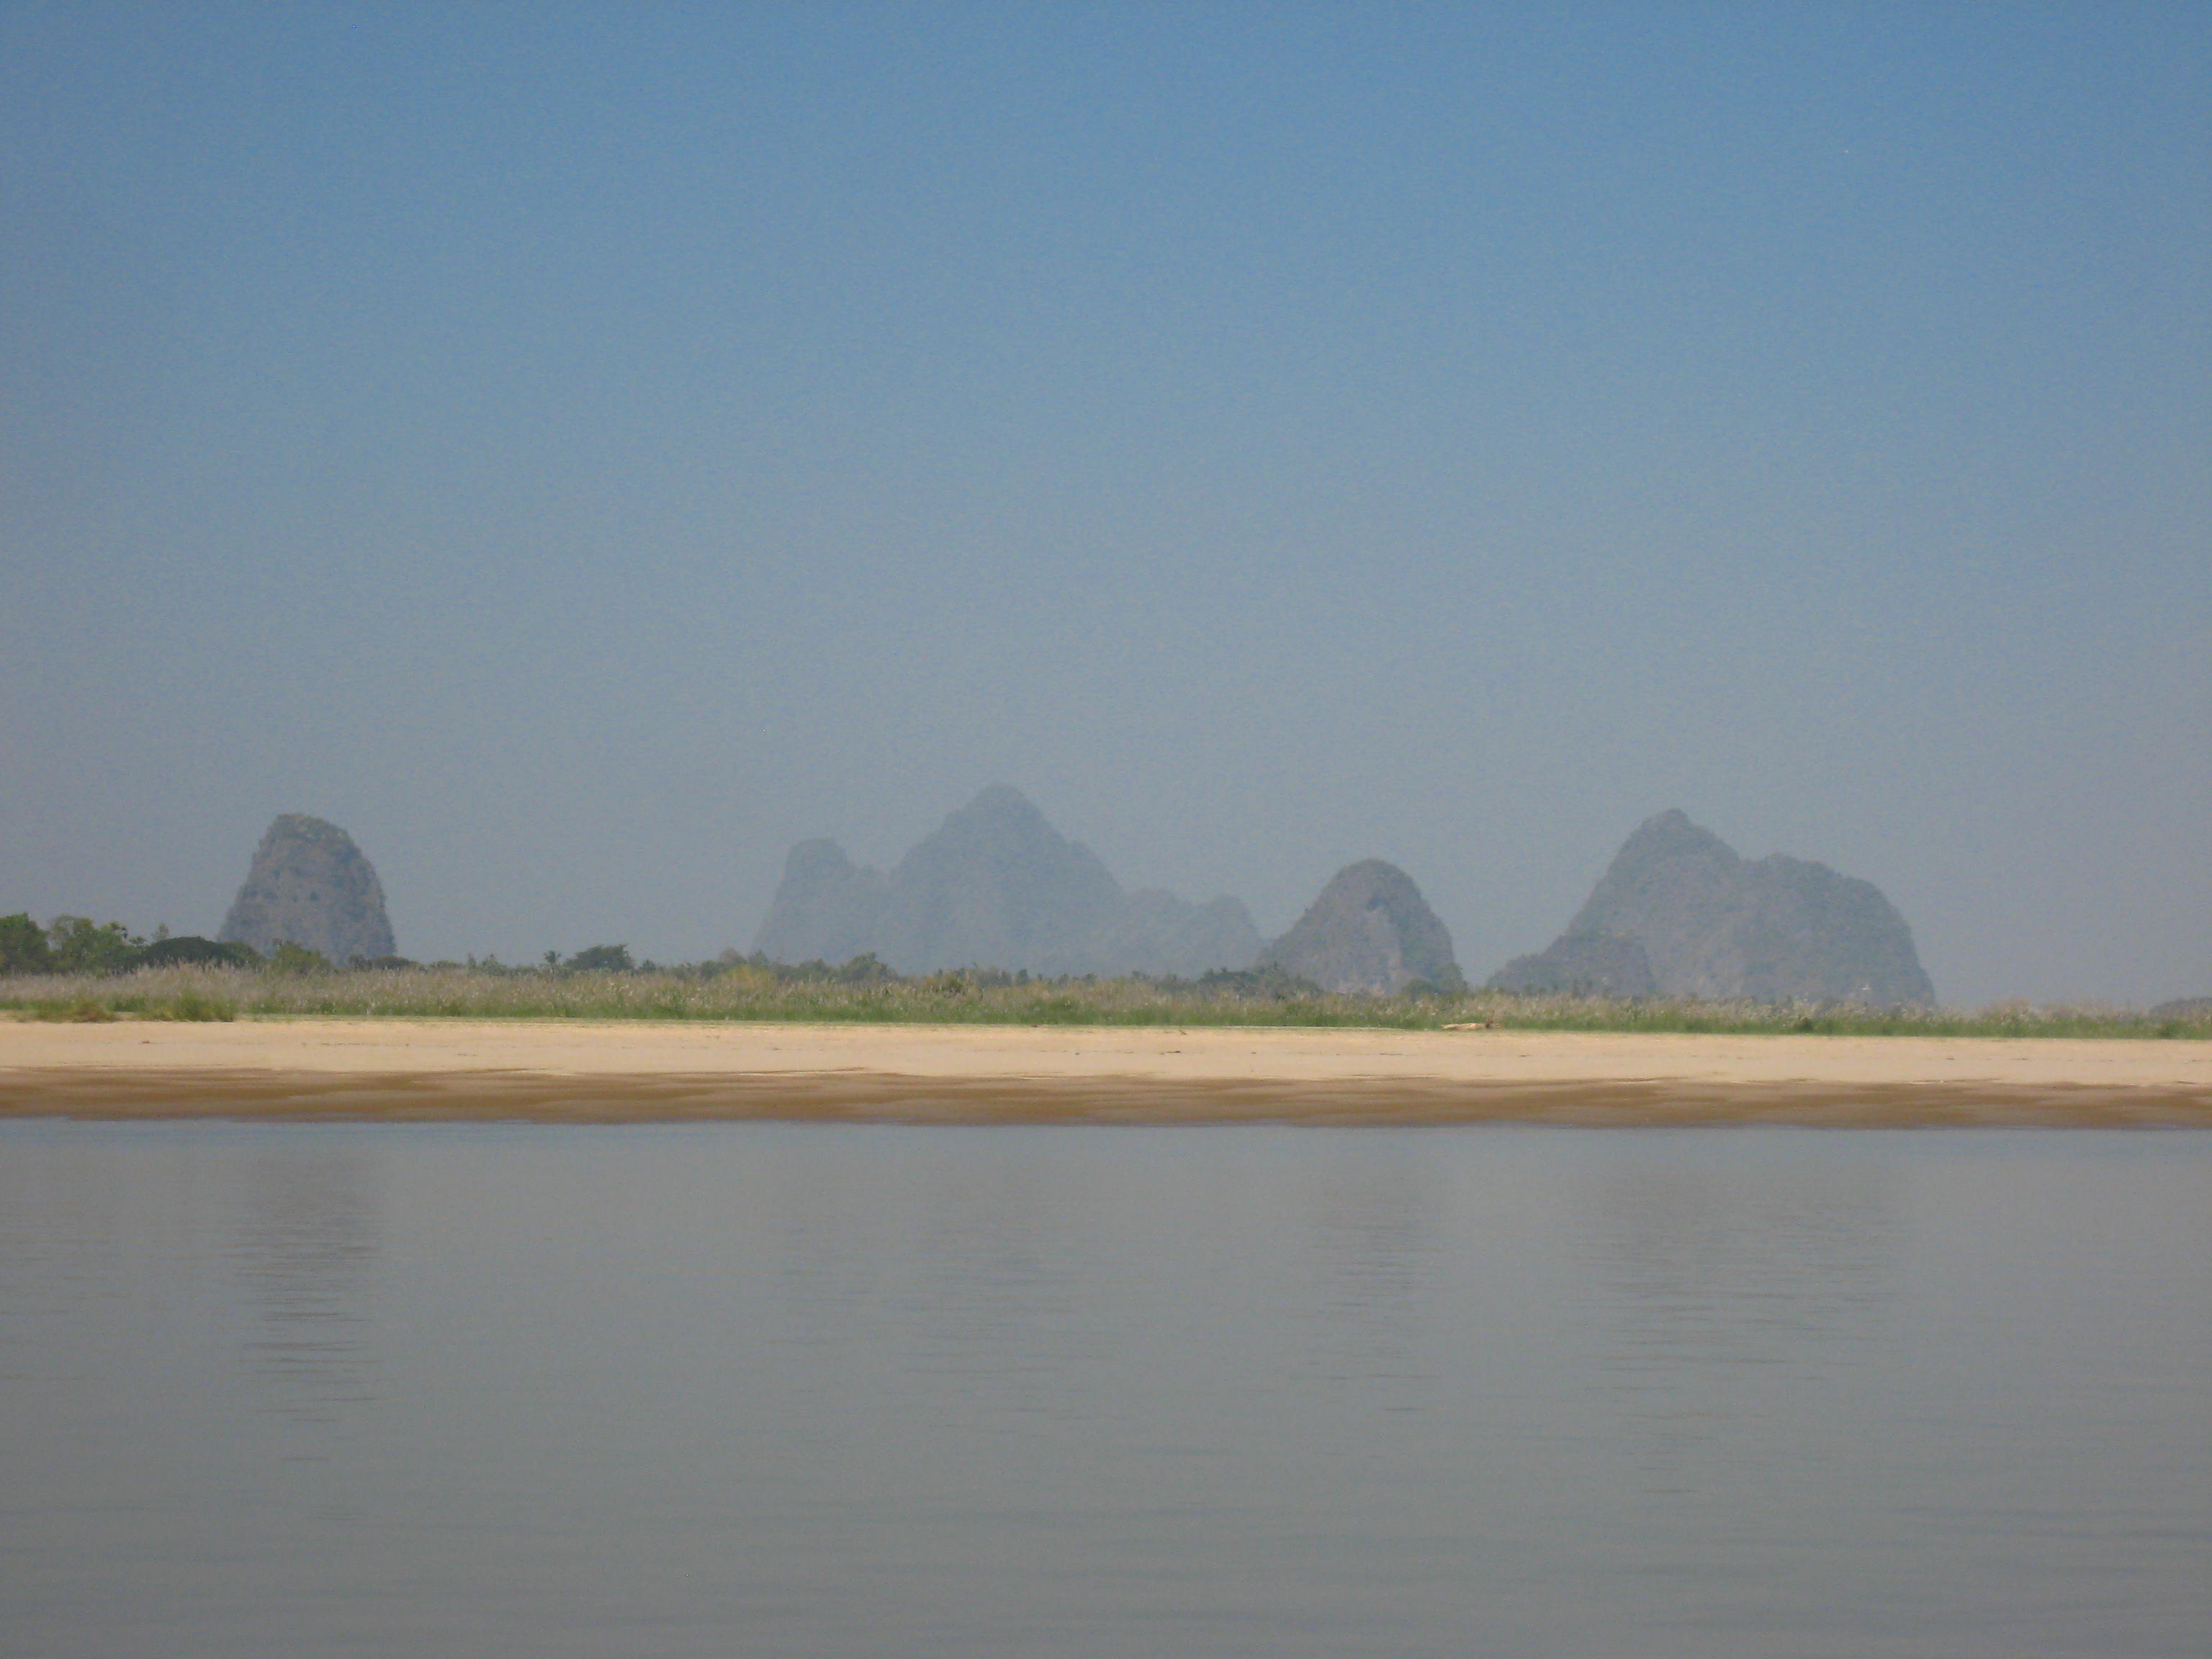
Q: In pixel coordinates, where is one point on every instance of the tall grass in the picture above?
(750, 993)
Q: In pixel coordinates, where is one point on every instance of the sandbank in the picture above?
(640, 1072)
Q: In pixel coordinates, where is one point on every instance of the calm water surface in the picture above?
(793, 1390)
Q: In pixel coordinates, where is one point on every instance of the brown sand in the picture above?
(406, 1069)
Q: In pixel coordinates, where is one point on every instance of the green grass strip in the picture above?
(752, 994)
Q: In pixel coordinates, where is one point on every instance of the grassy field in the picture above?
(752, 994)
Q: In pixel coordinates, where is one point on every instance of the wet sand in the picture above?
(636, 1072)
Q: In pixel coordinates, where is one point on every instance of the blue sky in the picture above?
(584, 450)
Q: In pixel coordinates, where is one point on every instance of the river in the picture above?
(788, 1389)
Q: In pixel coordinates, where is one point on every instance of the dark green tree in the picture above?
(865, 969)
(602, 959)
(82, 945)
(23, 948)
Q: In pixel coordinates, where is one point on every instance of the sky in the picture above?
(584, 450)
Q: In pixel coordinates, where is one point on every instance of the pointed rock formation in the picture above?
(309, 886)
(995, 886)
(1776, 929)
(1370, 931)
(825, 907)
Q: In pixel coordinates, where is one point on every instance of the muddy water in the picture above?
(765, 1389)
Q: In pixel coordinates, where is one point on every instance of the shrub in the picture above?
(190, 948)
(1056, 1011)
(194, 1004)
(186, 950)
(295, 960)
(73, 1010)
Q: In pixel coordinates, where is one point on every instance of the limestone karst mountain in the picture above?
(1369, 930)
(309, 886)
(995, 886)
(1712, 923)
(825, 907)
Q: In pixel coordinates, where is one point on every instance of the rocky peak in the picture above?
(996, 885)
(825, 908)
(1670, 834)
(1713, 924)
(1371, 931)
(309, 885)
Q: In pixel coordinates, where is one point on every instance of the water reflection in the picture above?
(1731, 1290)
(1376, 1264)
(777, 1389)
(305, 1250)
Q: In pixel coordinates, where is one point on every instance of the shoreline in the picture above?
(627, 1072)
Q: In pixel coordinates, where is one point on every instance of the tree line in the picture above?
(78, 944)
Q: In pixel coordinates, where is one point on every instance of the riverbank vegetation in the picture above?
(866, 991)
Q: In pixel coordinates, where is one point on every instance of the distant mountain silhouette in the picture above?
(309, 885)
(1712, 923)
(995, 886)
(1156, 933)
(1369, 930)
(825, 907)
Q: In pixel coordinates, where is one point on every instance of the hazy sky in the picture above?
(583, 450)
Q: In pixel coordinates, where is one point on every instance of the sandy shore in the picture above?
(637, 1072)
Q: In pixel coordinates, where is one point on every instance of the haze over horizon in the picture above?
(583, 451)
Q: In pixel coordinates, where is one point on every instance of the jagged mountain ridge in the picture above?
(1711, 923)
(995, 886)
